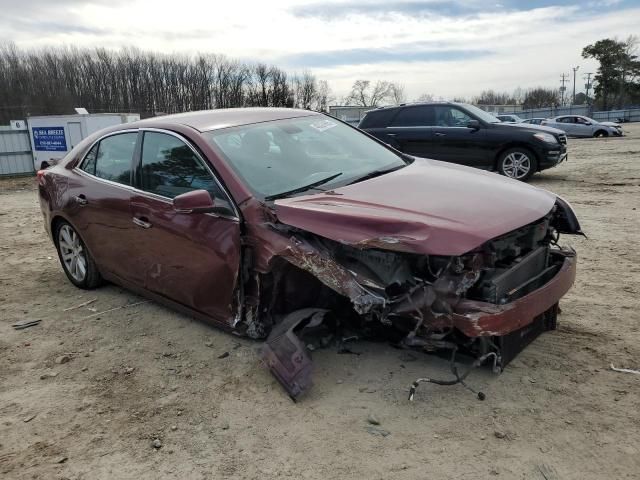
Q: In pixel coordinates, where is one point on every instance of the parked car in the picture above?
(273, 223)
(508, 118)
(534, 121)
(580, 126)
(464, 134)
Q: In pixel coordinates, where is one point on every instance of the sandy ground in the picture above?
(143, 373)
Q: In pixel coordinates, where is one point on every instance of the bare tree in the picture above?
(426, 97)
(397, 93)
(364, 94)
(53, 81)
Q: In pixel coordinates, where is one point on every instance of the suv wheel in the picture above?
(517, 163)
(76, 260)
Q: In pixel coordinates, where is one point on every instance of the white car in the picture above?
(508, 118)
(581, 126)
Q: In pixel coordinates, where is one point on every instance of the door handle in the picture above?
(142, 222)
(81, 200)
(439, 134)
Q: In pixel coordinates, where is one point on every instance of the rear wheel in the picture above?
(600, 133)
(76, 260)
(518, 163)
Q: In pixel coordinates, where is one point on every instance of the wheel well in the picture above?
(57, 220)
(514, 145)
(44, 165)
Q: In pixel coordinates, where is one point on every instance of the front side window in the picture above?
(113, 159)
(447, 116)
(170, 168)
(309, 153)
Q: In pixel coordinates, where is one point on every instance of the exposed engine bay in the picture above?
(424, 302)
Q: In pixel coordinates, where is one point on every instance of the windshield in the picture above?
(286, 157)
(481, 114)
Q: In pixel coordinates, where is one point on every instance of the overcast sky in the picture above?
(443, 47)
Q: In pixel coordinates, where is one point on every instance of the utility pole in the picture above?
(563, 88)
(587, 86)
(575, 69)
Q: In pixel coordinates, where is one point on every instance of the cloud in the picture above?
(448, 48)
(361, 56)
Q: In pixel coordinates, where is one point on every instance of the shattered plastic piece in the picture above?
(286, 355)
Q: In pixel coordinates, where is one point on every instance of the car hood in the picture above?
(428, 207)
(534, 128)
(610, 124)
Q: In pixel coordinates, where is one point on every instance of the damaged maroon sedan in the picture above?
(292, 226)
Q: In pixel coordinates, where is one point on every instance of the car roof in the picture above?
(205, 120)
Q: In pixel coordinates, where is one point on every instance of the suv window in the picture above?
(447, 116)
(414, 117)
(112, 161)
(169, 168)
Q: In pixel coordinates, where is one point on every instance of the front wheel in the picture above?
(600, 133)
(517, 163)
(79, 266)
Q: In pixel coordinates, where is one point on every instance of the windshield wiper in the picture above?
(376, 173)
(302, 189)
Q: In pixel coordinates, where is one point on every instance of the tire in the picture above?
(76, 261)
(600, 133)
(518, 163)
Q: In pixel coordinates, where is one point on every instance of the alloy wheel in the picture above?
(72, 252)
(516, 165)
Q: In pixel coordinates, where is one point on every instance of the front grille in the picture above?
(563, 139)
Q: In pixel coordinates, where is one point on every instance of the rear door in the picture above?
(194, 258)
(454, 142)
(99, 200)
(410, 131)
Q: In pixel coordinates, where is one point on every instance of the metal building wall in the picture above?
(15, 152)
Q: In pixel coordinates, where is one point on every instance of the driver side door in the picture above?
(454, 142)
(191, 258)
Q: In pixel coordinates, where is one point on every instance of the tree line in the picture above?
(54, 81)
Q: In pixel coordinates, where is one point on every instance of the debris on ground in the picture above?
(156, 443)
(84, 304)
(29, 418)
(375, 430)
(373, 420)
(624, 370)
(63, 359)
(25, 324)
(223, 355)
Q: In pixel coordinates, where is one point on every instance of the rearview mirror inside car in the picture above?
(475, 124)
(196, 201)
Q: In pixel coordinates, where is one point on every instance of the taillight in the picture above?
(40, 176)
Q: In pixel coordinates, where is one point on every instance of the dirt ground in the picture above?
(143, 373)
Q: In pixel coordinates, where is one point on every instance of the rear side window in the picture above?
(89, 164)
(414, 117)
(113, 160)
(377, 118)
(170, 168)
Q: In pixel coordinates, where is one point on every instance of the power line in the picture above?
(565, 79)
(588, 85)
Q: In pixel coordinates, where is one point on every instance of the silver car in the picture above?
(534, 121)
(508, 118)
(581, 126)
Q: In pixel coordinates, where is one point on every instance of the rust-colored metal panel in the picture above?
(429, 207)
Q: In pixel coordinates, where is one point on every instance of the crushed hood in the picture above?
(428, 207)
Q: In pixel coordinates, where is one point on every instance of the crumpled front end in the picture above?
(494, 299)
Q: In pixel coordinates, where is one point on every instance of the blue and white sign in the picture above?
(49, 139)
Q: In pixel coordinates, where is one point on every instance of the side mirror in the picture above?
(197, 201)
(474, 124)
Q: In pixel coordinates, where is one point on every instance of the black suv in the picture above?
(464, 134)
